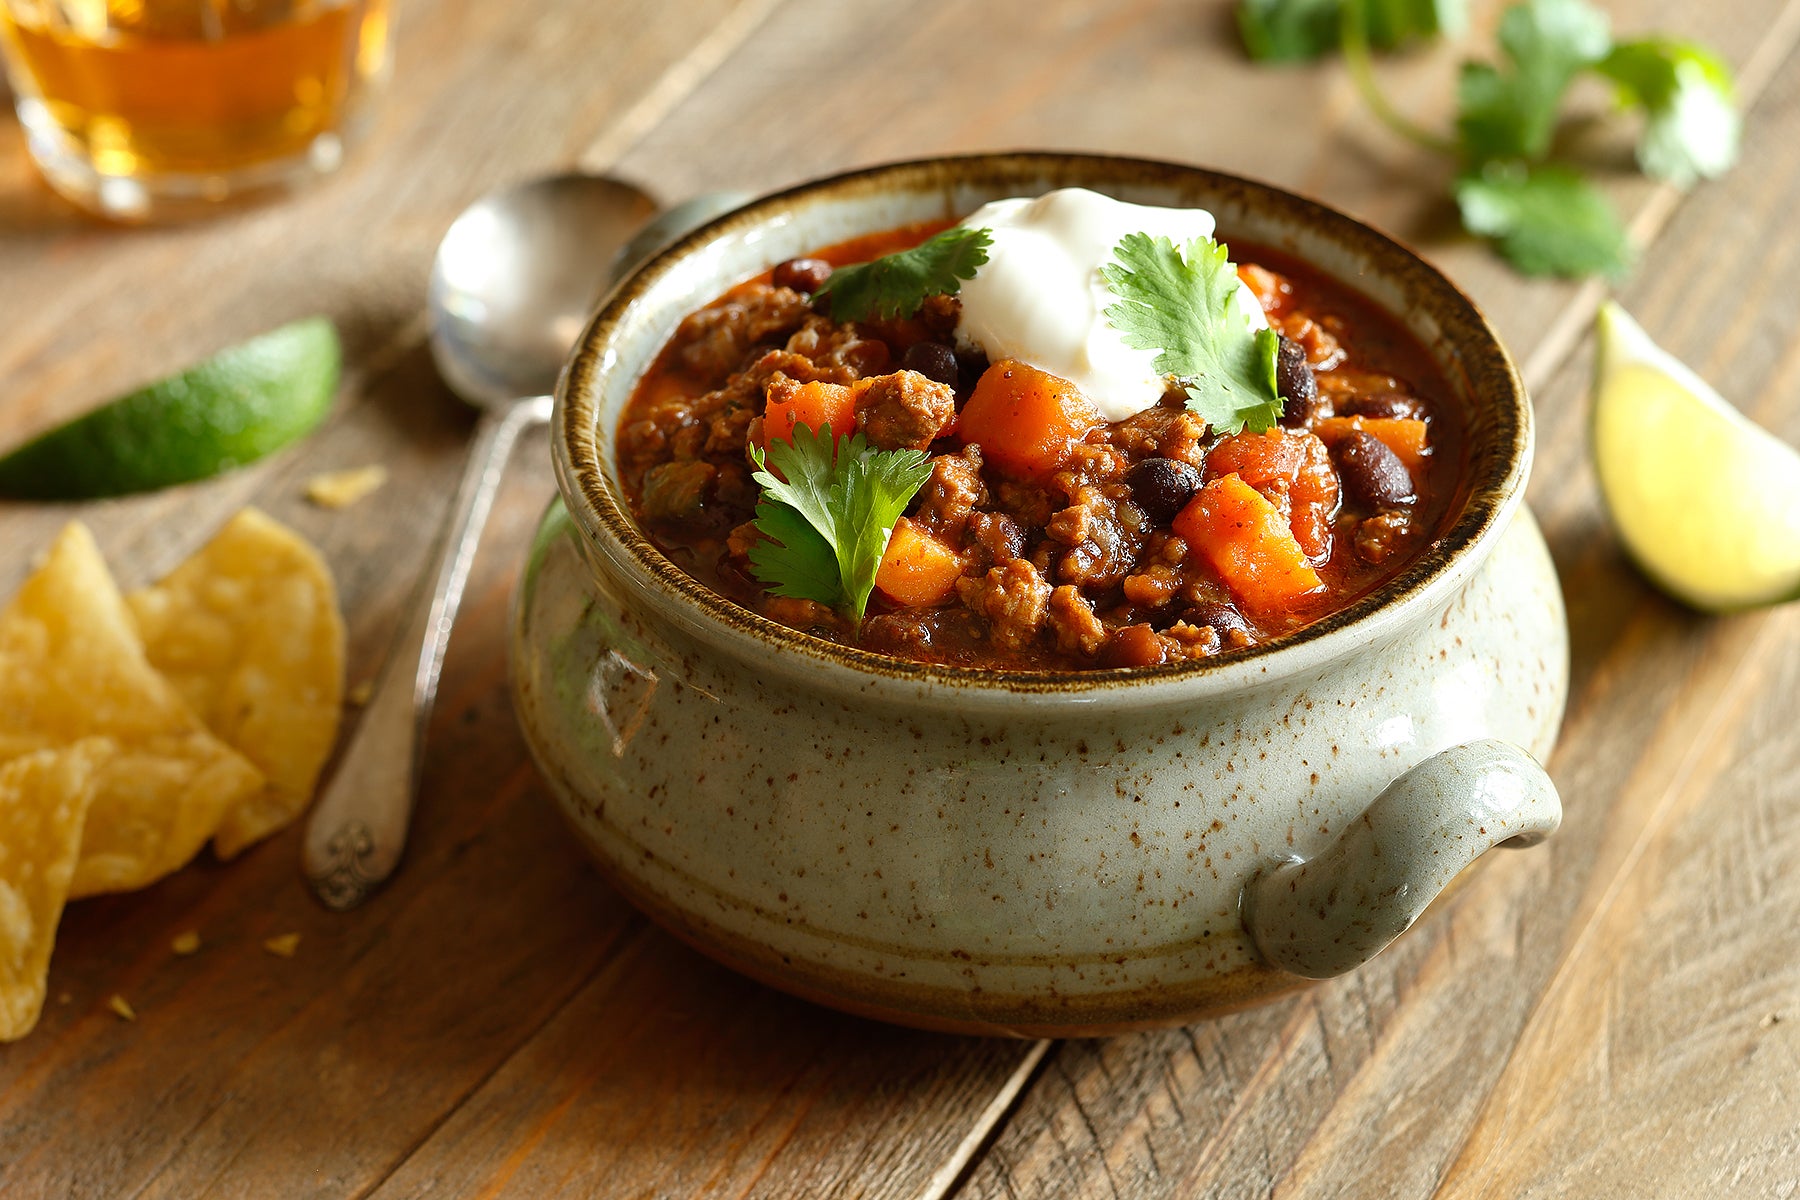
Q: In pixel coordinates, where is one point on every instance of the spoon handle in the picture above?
(358, 828)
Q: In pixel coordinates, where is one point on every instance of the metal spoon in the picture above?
(514, 282)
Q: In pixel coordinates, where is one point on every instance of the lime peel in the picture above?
(1705, 500)
(247, 401)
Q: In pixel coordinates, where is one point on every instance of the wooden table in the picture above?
(1616, 1014)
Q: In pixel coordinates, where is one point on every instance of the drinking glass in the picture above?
(145, 109)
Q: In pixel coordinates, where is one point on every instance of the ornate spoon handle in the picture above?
(358, 828)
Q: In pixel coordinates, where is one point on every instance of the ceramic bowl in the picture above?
(1039, 854)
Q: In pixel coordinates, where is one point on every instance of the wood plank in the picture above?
(1368, 1085)
(1664, 1057)
(668, 1076)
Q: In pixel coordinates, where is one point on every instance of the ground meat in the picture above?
(1378, 537)
(1013, 599)
(648, 440)
(1166, 431)
(904, 411)
(800, 614)
(938, 316)
(674, 490)
(1026, 503)
(1315, 496)
(953, 492)
(993, 539)
(737, 546)
(1100, 549)
(733, 486)
(1192, 641)
(1363, 393)
(911, 633)
(1154, 587)
(848, 350)
(729, 429)
(1134, 646)
(729, 411)
(1323, 350)
(1072, 620)
(715, 341)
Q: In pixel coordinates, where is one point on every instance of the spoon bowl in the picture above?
(516, 277)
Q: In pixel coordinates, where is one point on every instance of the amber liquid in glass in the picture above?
(189, 99)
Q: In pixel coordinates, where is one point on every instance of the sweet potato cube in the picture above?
(1405, 436)
(1027, 421)
(1249, 544)
(814, 405)
(917, 570)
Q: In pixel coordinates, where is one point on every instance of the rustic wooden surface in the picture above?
(1616, 1014)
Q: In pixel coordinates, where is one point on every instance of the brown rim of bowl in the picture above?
(1498, 461)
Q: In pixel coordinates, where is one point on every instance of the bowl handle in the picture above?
(1331, 913)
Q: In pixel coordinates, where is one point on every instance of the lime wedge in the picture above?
(1706, 500)
(243, 403)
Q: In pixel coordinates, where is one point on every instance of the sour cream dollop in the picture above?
(1040, 299)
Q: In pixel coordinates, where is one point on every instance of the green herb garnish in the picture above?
(1183, 304)
(1510, 111)
(826, 518)
(1546, 218)
(1693, 125)
(895, 285)
(1295, 30)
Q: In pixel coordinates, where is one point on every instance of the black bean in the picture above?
(1294, 380)
(1225, 620)
(1386, 404)
(934, 360)
(1162, 487)
(1373, 475)
(802, 274)
(972, 364)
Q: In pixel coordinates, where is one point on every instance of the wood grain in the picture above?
(1400, 1058)
(1613, 1014)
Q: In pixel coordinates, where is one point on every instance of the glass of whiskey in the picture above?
(145, 110)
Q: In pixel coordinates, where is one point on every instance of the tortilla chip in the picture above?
(341, 489)
(248, 631)
(44, 800)
(71, 667)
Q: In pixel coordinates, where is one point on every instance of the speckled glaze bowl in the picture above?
(1046, 853)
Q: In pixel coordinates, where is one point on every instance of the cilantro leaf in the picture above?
(894, 285)
(1183, 304)
(1547, 220)
(1686, 92)
(1295, 30)
(826, 517)
(794, 559)
(1512, 112)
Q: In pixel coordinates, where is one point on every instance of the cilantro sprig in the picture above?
(1545, 217)
(826, 512)
(1182, 303)
(895, 285)
(1295, 30)
(1692, 125)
